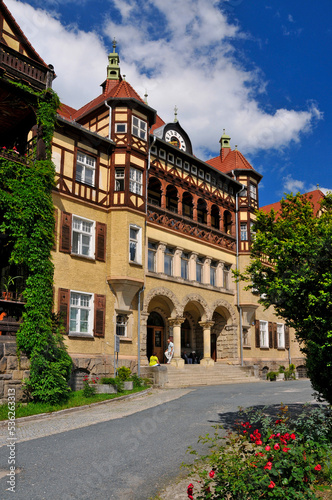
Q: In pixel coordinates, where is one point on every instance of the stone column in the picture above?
(176, 324)
(220, 274)
(160, 257)
(206, 325)
(163, 197)
(206, 270)
(144, 322)
(177, 262)
(179, 204)
(192, 266)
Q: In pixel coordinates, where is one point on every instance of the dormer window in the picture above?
(139, 128)
(253, 191)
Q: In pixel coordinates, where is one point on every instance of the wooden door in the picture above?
(156, 342)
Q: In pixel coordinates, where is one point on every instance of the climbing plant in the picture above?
(28, 220)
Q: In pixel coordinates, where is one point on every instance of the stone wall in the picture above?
(12, 369)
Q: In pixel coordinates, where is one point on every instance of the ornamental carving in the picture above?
(163, 292)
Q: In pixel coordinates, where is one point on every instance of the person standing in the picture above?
(170, 350)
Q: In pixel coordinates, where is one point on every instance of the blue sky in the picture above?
(260, 69)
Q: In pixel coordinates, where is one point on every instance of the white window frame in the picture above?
(194, 169)
(139, 127)
(201, 174)
(121, 325)
(80, 235)
(87, 164)
(178, 162)
(136, 181)
(162, 154)
(119, 178)
(169, 256)
(186, 166)
(281, 335)
(80, 307)
(152, 251)
(264, 334)
(170, 157)
(243, 231)
(185, 265)
(118, 125)
(253, 191)
(135, 242)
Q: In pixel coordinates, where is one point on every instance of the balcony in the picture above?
(189, 227)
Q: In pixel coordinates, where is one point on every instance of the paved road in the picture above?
(127, 449)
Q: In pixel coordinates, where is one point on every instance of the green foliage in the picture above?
(291, 269)
(27, 218)
(290, 372)
(124, 373)
(108, 380)
(89, 386)
(268, 458)
(272, 376)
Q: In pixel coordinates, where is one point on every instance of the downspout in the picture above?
(139, 332)
(237, 267)
(143, 288)
(109, 118)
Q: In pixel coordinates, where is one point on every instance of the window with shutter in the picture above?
(287, 340)
(81, 314)
(257, 334)
(275, 336)
(63, 306)
(270, 335)
(100, 306)
(100, 241)
(65, 234)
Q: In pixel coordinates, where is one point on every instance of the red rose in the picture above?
(259, 442)
(211, 473)
(292, 436)
(278, 421)
(318, 467)
(276, 446)
(267, 448)
(271, 485)
(268, 466)
(285, 449)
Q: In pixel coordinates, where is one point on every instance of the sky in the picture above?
(260, 69)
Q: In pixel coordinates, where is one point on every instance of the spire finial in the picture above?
(146, 97)
(175, 114)
(317, 186)
(114, 44)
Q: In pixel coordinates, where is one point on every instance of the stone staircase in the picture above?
(220, 373)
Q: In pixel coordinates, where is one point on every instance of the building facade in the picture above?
(146, 238)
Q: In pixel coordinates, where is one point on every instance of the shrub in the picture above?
(272, 376)
(89, 388)
(267, 457)
(290, 372)
(108, 380)
(124, 373)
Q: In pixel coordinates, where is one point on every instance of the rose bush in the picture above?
(266, 458)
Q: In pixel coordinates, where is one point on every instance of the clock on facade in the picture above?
(176, 139)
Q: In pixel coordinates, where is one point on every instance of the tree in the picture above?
(291, 269)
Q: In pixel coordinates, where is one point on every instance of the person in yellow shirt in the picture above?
(154, 361)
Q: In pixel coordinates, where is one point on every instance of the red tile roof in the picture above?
(66, 111)
(112, 88)
(315, 197)
(159, 123)
(233, 161)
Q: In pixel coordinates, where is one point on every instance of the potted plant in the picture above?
(281, 373)
(7, 282)
(107, 385)
(124, 375)
(290, 372)
(271, 376)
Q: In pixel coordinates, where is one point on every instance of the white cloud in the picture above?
(183, 54)
(291, 185)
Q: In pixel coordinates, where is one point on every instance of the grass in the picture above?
(75, 400)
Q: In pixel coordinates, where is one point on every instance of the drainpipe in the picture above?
(139, 333)
(237, 267)
(109, 118)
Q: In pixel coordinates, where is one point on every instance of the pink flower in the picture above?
(268, 466)
(267, 448)
(259, 442)
(271, 485)
(318, 467)
(211, 473)
(276, 446)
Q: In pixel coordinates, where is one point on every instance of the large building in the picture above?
(147, 235)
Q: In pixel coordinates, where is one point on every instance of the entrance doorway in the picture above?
(155, 336)
(214, 346)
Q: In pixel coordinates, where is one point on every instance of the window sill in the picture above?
(265, 348)
(246, 347)
(84, 257)
(281, 348)
(85, 184)
(125, 339)
(82, 336)
(136, 264)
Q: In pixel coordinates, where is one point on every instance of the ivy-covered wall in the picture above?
(27, 218)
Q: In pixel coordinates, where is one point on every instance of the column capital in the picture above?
(176, 321)
(206, 324)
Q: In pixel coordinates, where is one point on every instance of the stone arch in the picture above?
(203, 305)
(170, 298)
(229, 308)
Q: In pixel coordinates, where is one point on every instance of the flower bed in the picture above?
(266, 458)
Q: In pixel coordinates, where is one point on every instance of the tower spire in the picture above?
(113, 68)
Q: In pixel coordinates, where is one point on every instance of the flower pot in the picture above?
(128, 385)
(105, 389)
(281, 376)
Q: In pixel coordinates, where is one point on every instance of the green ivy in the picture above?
(28, 219)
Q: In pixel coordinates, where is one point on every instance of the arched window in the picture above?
(201, 211)
(187, 205)
(154, 192)
(215, 217)
(171, 198)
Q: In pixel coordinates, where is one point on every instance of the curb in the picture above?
(3, 423)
